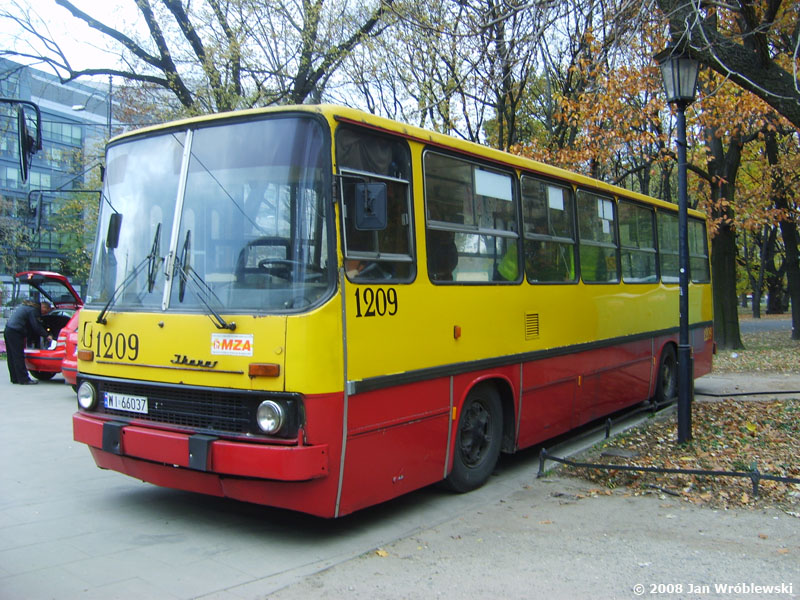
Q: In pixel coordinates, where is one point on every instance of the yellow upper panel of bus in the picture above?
(335, 114)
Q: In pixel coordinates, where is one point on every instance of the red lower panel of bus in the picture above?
(294, 477)
(398, 438)
(284, 463)
(396, 442)
(562, 393)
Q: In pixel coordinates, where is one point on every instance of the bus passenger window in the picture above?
(598, 238)
(385, 254)
(638, 243)
(699, 269)
(548, 222)
(471, 226)
(668, 246)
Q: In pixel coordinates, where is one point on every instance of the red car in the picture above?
(42, 361)
(69, 337)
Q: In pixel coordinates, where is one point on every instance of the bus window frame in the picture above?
(377, 257)
(595, 244)
(456, 228)
(536, 237)
(661, 253)
(653, 250)
(706, 257)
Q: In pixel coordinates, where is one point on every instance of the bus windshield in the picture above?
(229, 217)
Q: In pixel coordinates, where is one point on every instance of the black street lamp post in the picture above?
(679, 71)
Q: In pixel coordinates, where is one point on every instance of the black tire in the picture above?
(478, 439)
(43, 375)
(667, 382)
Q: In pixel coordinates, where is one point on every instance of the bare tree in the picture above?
(458, 66)
(215, 55)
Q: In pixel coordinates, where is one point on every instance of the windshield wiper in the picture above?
(189, 275)
(152, 260)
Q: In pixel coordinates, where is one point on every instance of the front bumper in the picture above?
(201, 452)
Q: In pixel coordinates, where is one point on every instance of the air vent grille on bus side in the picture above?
(531, 326)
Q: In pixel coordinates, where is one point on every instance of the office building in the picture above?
(76, 122)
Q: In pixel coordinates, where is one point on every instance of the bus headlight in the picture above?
(270, 416)
(87, 396)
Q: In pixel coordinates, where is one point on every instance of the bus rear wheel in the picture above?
(478, 439)
(667, 384)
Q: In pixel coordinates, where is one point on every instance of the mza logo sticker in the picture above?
(232, 345)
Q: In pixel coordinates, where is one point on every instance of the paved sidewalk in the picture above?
(562, 539)
(722, 384)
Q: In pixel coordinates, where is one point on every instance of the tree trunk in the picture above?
(790, 242)
(756, 304)
(723, 268)
(722, 167)
(775, 293)
(788, 230)
(768, 241)
(772, 275)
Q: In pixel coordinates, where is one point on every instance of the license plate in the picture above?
(137, 404)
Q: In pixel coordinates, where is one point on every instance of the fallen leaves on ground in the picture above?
(764, 352)
(727, 435)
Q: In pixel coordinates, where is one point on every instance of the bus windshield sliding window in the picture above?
(638, 243)
(548, 221)
(668, 246)
(598, 238)
(385, 254)
(698, 252)
(472, 232)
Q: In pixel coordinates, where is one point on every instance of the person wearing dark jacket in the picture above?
(23, 323)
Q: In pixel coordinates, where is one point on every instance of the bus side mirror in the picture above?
(114, 225)
(26, 143)
(370, 205)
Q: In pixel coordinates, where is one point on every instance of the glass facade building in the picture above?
(76, 122)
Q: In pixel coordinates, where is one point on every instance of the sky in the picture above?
(83, 46)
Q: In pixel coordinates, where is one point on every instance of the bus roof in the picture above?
(336, 113)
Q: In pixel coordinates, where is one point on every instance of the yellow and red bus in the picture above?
(319, 309)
